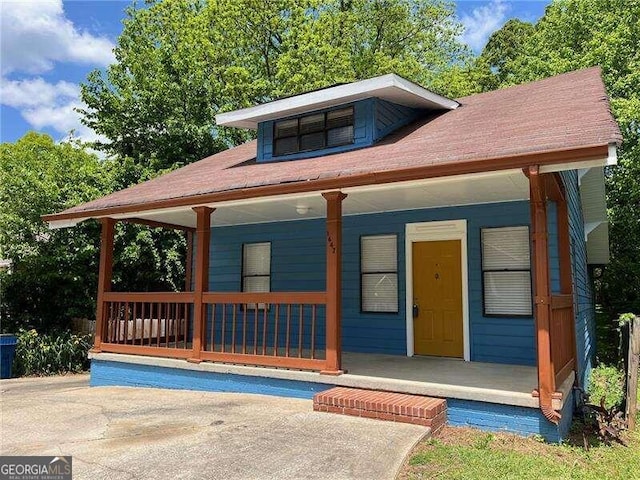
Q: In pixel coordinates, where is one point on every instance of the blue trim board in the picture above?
(111, 374)
(481, 415)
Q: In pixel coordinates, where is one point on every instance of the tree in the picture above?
(575, 34)
(343, 41)
(53, 276)
(180, 62)
(504, 45)
(54, 272)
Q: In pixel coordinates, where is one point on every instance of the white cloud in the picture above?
(35, 92)
(36, 34)
(482, 22)
(36, 37)
(47, 105)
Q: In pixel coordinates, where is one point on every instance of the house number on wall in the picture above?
(330, 243)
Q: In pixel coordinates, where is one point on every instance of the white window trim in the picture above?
(433, 231)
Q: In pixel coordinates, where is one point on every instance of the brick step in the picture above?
(394, 407)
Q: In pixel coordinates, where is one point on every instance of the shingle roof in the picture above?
(569, 111)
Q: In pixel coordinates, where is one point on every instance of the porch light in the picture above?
(302, 209)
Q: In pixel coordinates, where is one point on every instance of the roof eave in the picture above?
(565, 158)
(391, 87)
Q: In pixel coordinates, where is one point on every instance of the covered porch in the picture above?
(302, 331)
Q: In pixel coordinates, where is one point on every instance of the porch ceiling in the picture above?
(501, 186)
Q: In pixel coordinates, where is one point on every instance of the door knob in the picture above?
(416, 310)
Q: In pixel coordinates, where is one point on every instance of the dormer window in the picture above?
(313, 132)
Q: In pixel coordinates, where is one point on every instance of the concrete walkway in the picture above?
(135, 433)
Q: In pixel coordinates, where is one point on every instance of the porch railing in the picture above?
(276, 329)
(562, 352)
(157, 324)
(280, 329)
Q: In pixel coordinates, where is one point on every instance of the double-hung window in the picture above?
(379, 273)
(256, 268)
(506, 271)
(313, 132)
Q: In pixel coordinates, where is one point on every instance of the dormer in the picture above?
(335, 119)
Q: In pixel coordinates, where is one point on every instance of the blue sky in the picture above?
(49, 46)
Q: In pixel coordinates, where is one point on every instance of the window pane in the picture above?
(312, 141)
(256, 259)
(380, 292)
(312, 123)
(379, 254)
(340, 118)
(507, 293)
(284, 146)
(340, 136)
(505, 248)
(286, 128)
(256, 284)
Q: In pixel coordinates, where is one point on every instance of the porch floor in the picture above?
(430, 376)
(443, 372)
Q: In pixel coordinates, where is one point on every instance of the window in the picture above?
(379, 273)
(256, 268)
(506, 271)
(313, 132)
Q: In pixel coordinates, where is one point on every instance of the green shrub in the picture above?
(50, 354)
(607, 382)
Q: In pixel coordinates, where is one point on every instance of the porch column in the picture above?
(334, 283)
(203, 232)
(541, 280)
(104, 277)
(564, 253)
(188, 274)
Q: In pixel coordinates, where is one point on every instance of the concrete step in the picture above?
(390, 406)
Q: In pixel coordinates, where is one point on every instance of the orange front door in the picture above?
(437, 298)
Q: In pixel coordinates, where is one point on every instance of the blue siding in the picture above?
(585, 311)
(390, 116)
(373, 120)
(363, 133)
(510, 418)
(106, 373)
(298, 264)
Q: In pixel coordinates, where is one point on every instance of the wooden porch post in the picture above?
(203, 232)
(334, 283)
(564, 252)
(188, 274)
(104, 277)
(546, 374)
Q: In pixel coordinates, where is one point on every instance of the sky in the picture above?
(47, 48)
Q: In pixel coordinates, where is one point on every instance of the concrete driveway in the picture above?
(121, 433)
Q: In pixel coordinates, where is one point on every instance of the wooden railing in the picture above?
(276, 329)
(281, 329)
(562, 351)
(157, 324)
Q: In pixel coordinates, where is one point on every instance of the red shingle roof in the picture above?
(569, 111)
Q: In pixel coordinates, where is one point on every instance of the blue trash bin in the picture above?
(8, 343)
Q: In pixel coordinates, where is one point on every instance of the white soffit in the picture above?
(389, 87)
(56, 224)
(471, 189)
(594, 211)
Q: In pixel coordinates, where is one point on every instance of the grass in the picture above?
(469, 454)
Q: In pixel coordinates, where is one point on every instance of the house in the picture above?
(379, 236)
